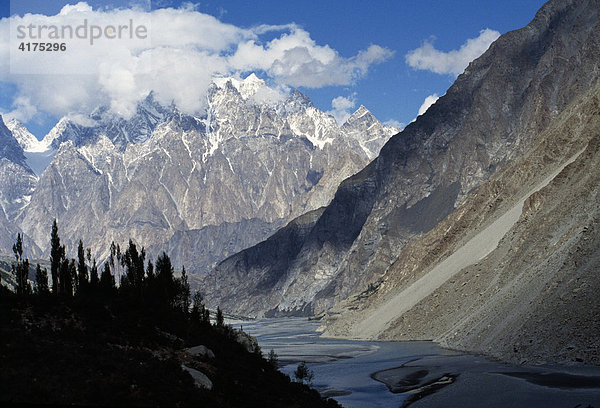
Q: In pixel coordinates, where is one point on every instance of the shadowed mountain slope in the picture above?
(491, 115)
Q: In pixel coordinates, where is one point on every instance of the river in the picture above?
(343, 368)
(339, 366)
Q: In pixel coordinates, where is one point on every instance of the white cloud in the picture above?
(342, 108)
(183, 52)
(294, 59)
(395, 124)
(453, 62)
(80, 119)
(23, 110)
(430, 100)
(271, 96)
(79, 7)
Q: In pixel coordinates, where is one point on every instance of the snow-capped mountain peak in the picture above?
(360, 112)
(247, 87)
(38, 154)
(56, 131)
(28, 142)
(17, 180)
(371, 134)
(255, 153)
(84, 130)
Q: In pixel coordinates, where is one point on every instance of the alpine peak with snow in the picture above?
(255, 159)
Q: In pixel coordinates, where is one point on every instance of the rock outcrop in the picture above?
(529, 295)
(200, 187)
(490, 116)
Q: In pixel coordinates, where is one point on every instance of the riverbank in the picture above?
(420, 374)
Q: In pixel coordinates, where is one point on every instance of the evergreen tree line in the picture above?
(128, 285)
(149, 284)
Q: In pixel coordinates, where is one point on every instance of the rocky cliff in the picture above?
(16, 177)
(18, 182)
(513, 271)
(202, 187)
(492, 115)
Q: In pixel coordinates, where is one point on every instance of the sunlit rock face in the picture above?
(201, 187)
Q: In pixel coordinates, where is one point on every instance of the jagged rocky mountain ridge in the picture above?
(17, 178)
(355, 258)
(26, 140)
(165, 178)
(18, 182)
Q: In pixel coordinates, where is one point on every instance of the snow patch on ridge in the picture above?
(246, 87)
(28, 142)
(38, 154)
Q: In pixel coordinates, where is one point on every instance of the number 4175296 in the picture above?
(42, 46)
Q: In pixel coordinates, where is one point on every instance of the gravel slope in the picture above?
(471, 252)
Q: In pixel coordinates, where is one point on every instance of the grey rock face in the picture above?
(363, 122)
(26, 140)
(204, 248)
(491, 114)
(531, 296)
(257, 270)
(17, 183)
(17, 180)
(119, 131)
(202, 352)
(219, 182)
(9, 146)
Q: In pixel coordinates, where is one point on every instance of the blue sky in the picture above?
(385, 83)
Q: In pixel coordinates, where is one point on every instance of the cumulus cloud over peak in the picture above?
(430, 100)
(342, 108)
(454, 62)
(182, 52)
(394, 123)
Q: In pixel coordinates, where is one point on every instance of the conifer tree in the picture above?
(113, 254)
(94, 280)
(21, 269)
(205, 315)
(41, 278)
(107, 280)
(18, 248)
(150, 271)
(134, 264)
(73, 277)
(68, 276)
(82, 270)
(185, 292)
(220, 318)
(57, 254)
(304, 374)
(64, 277)
(119, 263)
(195, 312)
(199, 312)
(272, 359)
(165, 286)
